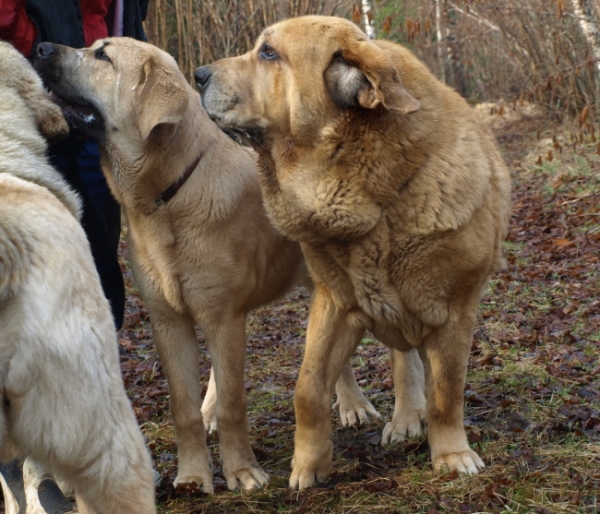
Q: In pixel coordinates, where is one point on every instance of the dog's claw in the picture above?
(355, 409)
(403, 426)
(247, 478)
(308, 468)
(355, 413)
(467, 462)
(202, 484)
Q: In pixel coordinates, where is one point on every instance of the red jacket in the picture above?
(17, 27)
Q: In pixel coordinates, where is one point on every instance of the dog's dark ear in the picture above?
(17, 72)
(161, 99)
(363, 75)
(48, 116)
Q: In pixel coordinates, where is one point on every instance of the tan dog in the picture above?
(63, 400)
(400, 200)
(202, 248)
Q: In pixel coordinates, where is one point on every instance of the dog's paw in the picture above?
(200, 480)
(309, 469)
(404, 425)
(466, 461)
(248, 477)
(209, 417)
(355, 410)
(210, 425)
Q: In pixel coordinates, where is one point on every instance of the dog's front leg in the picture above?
(445, 354)
(177, 347)
(227, 346)
(331, 339)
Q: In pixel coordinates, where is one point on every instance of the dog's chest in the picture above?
(155, 255)
(358, 271)
(379, 274)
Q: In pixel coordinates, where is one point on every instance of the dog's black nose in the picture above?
(45, 50)
(202, 76)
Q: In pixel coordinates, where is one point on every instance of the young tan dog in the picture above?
(63, 400)
(399, 198)
(202, 248)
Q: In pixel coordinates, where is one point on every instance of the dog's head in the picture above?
(302, 73)
(17, 74)
(116, 86)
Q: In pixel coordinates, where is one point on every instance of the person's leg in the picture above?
(106, 213)
(79, 162)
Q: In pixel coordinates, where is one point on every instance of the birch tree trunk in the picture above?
(587, 15)
(367, 9)
(440, 44)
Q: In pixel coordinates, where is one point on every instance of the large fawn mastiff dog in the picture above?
(203, 250)
(63, 399)
(399, 198)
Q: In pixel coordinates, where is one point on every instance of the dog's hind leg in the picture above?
(82, 430)
(409, 408)
(209, 405)
(409, 383)
(352, 405)
(227, 345)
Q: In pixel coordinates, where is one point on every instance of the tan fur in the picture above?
(63, 401)
(207, 257)
(400, 200)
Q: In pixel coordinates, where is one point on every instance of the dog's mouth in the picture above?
(246, 136)
(80, 114)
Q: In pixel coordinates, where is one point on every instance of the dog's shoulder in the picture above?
(456, 162)
(33, 223)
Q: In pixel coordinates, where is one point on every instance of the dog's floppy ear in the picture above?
(363, 75)
(161, 99)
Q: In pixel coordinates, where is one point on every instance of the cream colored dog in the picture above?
(202, 248)
(63, 400)
(399, 198)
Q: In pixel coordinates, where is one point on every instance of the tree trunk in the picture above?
(586, 15)
(440, 43)
(367, 9)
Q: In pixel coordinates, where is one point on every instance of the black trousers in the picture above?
(78, 159)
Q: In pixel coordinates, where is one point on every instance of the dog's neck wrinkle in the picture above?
(348, 164)
(140, 175)
(406, 152)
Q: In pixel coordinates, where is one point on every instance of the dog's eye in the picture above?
(267, 53)
(100, 54)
